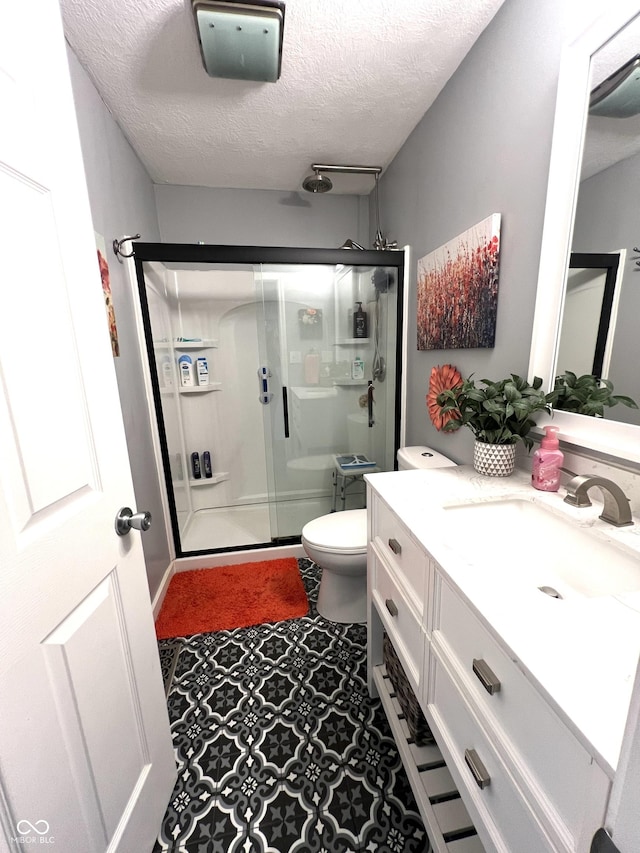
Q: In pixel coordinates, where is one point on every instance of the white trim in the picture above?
(158, 598)
(233, 558)
(604, 436)
(405, 347)
(130, 269)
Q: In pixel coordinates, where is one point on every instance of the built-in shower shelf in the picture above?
(362, 382)
(202, 389)
(218, 477)
(349, 342)
(205, 343)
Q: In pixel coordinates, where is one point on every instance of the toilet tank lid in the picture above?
(420, 456)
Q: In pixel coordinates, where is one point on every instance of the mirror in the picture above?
(589, 316)
(591, 209)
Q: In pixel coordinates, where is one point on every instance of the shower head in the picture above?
(317, 183)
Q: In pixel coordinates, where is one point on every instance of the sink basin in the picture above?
(536, 547)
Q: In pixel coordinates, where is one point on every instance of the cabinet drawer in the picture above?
(529, 730)
(400, 621)
(397, 547)
(498, 809)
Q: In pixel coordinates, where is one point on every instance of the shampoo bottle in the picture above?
(547, 461)
(312, 367)
(360, 322)
(185, 367)
(202, 371)
(195, 466)
(357, 368)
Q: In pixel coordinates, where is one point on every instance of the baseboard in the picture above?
(162, 589)
(233, 558)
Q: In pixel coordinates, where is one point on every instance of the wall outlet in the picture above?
(295, 357)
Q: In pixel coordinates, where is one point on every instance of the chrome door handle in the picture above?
(126, 519)
(478, 770)
(486, 675)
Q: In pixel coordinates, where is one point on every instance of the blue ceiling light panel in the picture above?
(241, 41)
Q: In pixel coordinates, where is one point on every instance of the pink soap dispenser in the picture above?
(547, 461)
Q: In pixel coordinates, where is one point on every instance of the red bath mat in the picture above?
(228, 597)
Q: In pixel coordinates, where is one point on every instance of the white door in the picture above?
(86, 762)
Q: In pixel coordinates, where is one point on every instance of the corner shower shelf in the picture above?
(202, 389)
(205, 343)
(349, 382)
(219, 477)
(348, 342)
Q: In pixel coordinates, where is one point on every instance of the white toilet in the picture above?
(338, 544)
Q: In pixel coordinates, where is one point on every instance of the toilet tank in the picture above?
(422, 457)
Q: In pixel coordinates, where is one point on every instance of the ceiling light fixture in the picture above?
(242, 41)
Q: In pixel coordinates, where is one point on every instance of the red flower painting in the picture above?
(458, 290)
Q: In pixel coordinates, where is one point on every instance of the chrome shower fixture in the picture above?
(380, 242)
(317, 183)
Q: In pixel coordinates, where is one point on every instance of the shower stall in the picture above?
(271, 401)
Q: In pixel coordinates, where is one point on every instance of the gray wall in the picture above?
(607, 221)
(260, 217)
(482, 148)
(122, 202)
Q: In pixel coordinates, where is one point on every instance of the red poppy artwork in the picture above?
(458, 290)
(106, 289)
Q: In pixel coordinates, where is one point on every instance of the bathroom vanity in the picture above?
(516, 619)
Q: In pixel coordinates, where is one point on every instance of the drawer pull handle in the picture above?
(395, 546)
(479, 771)
(486, 675)
(391, 607)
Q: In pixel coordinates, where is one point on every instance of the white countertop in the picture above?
(581, 652)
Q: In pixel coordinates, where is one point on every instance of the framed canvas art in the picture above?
(458, 290)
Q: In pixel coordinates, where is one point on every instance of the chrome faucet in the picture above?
(616, 504)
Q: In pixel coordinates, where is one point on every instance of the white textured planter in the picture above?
(494, 460)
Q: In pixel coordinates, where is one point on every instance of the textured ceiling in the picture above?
(357, 76)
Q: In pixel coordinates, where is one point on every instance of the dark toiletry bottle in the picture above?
(206, 464)
(359, 322)
(195, 466)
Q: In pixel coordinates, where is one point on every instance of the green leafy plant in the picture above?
(495, 412)
(585, 395)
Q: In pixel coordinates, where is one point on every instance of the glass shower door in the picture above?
(275, 388)
(329, 415)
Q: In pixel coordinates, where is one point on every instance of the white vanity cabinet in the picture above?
(526, 782)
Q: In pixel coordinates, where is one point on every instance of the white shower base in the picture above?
(249, 525)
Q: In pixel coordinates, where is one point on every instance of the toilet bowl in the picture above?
(338, 544)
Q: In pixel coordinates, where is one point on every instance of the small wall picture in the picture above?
(310, 322)
(458, 290)
(106, 289)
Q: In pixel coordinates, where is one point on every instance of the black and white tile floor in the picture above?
(279, 747)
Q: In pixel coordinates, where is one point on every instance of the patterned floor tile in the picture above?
(279, 747)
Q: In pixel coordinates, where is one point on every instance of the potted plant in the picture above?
(499, 414)
(585, 395)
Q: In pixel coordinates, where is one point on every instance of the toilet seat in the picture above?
(340, 532)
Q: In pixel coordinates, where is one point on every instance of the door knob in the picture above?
(126, 519)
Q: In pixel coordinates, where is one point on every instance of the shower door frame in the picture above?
(196, 253)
